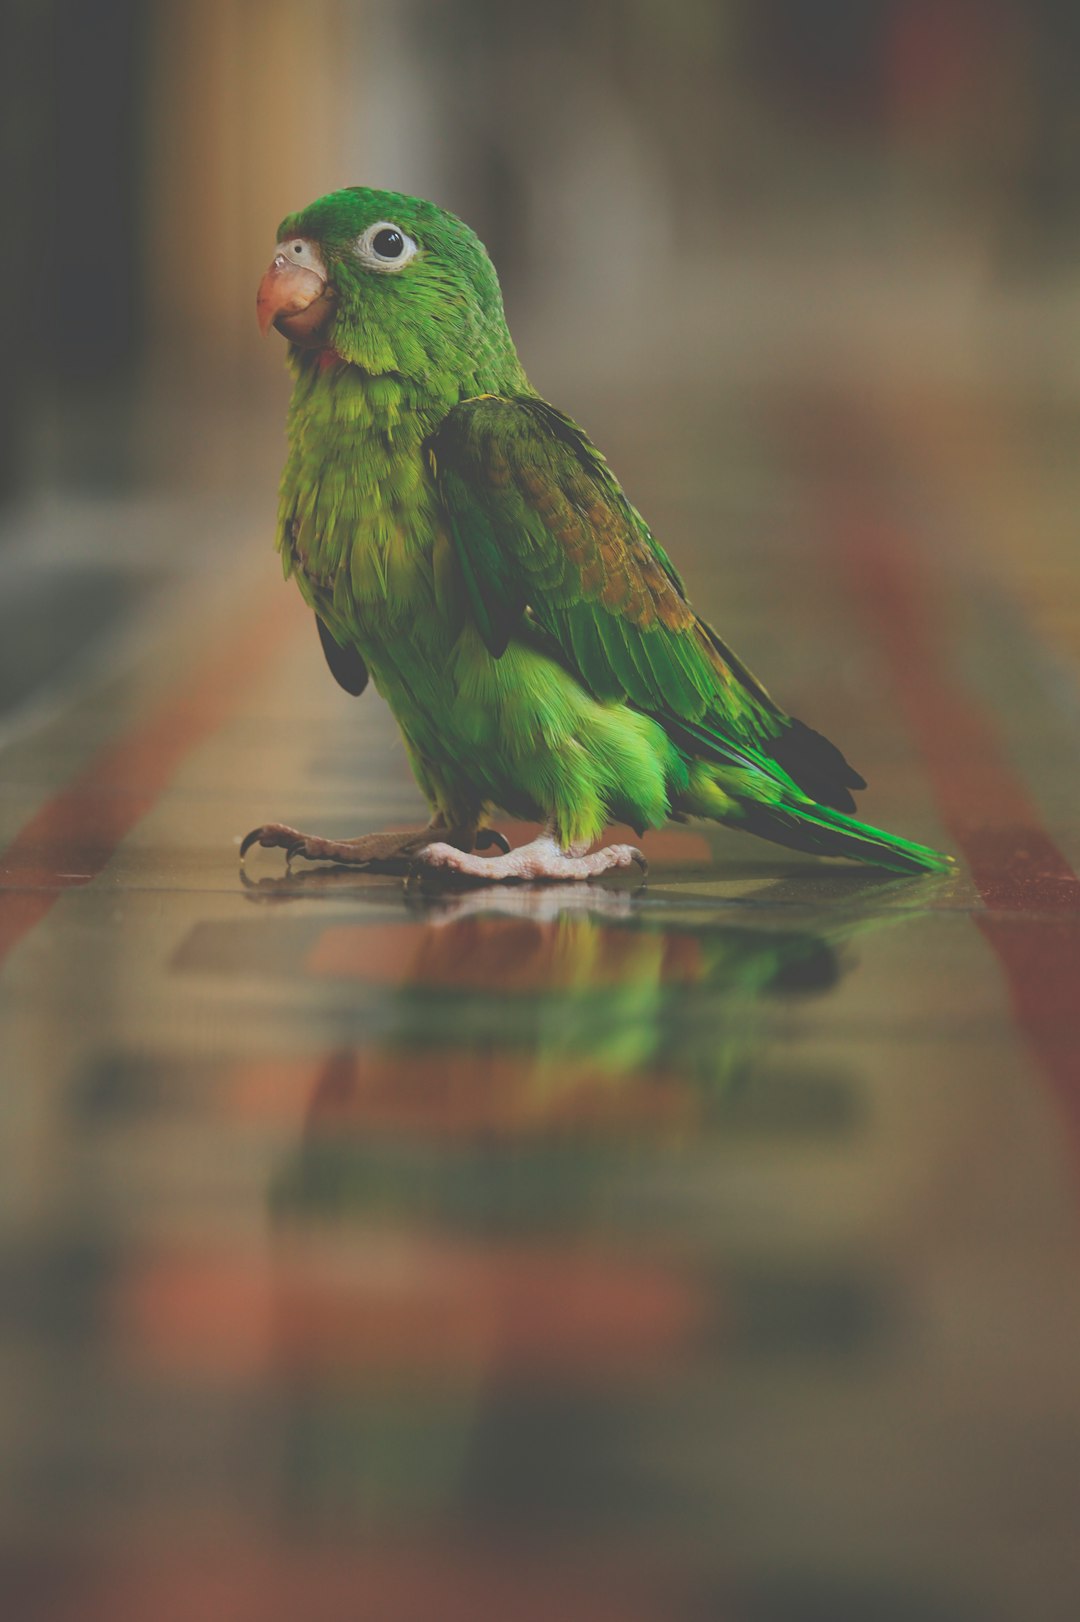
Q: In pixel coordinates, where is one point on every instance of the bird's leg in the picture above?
(544, 860)
(374, 853)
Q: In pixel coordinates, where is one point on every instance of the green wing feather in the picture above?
(542, 528)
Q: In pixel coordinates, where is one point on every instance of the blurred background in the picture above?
(708, 1259)
(674, 194)
(710, 184)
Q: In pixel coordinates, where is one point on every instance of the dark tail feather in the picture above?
(816, 765)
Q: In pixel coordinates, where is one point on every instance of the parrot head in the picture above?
(386, 282)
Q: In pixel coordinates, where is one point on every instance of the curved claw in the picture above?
(273, 836)
(253, 838)
(486, 837)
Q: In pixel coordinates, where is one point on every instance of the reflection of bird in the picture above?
(606, 997)
(526, 1014)
(464, 542)
(503, 1195)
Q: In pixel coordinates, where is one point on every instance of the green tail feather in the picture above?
(822, 832)
(771, 804)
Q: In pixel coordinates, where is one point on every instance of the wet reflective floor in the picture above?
(707, 1252)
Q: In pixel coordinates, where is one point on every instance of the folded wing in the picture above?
(542, 528)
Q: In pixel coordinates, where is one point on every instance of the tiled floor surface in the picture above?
(705, 1252)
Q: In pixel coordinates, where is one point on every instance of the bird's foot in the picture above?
(542, 861)
(373, 853)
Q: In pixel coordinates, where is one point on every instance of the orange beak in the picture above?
(296, 301)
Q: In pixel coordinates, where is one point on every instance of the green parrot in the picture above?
(467, 545)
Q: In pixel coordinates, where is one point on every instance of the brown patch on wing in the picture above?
(715, 658)
(614, 565)
(498, 466)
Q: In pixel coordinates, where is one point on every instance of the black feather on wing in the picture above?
(346, 665)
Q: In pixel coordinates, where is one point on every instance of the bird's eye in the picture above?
(385, 246)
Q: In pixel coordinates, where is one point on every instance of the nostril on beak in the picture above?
(289, 290)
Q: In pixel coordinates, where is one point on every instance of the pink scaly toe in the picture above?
(541, 862)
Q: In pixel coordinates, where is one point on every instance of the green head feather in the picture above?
(431, 311)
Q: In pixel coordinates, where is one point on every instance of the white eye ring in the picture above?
(368, 247)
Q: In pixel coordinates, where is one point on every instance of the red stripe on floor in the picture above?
(452, 1096)
(1028, 886)
(516, 954)
(417, 1309)
(360, 1576)
(69, 840)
